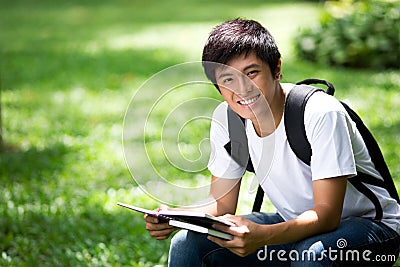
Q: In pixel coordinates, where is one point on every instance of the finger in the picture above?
(215, 240)
(161, 237)
(238, 231)
(239, 252)
(157, 226)
(233, 218)
(241, 228)
(219, 241)
(161, 234)
(163, 207)
(230, 245)
(151, 219)
(223, 228)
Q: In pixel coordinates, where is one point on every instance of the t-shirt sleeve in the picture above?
(221, 163)
(329, 129)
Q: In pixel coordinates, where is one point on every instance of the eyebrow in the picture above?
(225, 74)
(254, 65)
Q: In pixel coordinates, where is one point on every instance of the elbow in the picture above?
(222, 210)
(330, 224)
(328, 218)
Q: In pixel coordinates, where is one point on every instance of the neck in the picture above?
(271, 118)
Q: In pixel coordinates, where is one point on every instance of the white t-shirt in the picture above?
(337, 149)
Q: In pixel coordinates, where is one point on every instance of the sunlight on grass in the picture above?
(283, 21)
(187, 39)
(68, 72)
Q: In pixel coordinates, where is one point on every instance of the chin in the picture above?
(244, 112)
(246, 115)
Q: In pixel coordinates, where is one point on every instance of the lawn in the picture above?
(68, 72)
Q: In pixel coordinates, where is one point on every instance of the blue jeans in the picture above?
(356, 242)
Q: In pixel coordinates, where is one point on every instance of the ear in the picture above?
(278, 73)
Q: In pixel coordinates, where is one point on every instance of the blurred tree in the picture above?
(1, 117)
(354, 33)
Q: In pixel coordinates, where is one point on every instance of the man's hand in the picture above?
(247, 236)
(158, 230)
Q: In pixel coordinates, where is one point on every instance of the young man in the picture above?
(321, 218)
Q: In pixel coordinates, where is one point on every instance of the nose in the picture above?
(245, 86)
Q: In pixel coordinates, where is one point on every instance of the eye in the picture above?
(252, 74)
(227, 80)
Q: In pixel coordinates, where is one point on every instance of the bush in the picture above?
(362, 34)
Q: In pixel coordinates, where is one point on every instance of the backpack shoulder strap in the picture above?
(330, 89)
(295, 104)
(295, 131)
(375, 154)
(238, 147)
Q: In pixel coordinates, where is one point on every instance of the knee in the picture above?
(311, 246)
(186, 241)
(188, 248)
(178, 253)
(179, 240)
(309, 253)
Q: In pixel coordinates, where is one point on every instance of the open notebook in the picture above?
(190, 220)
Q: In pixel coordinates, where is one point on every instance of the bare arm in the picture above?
(222, 199)
(323, 217)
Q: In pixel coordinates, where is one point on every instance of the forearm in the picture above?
(222, 199)
(323, 217)
(314, 221)
(213, 207)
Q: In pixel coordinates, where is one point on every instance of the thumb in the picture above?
(163, 207)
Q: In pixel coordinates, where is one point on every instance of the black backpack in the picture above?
(295, 130)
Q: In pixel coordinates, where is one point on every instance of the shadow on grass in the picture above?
(43, 41)
(387, 136)
(33, 164)
(60, 70)
(137, 12)
(344, 79)
(71, 238)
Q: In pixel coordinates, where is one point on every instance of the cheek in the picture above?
(266, 87)
(226, 93)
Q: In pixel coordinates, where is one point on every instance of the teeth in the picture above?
(248, 101)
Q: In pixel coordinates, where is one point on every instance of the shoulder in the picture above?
(322, 103)
(221, 108)
(287, 87)
(322, 107)
(219, 122)
(319, 104)
(325, 117)
(220, 113)
(325, 113)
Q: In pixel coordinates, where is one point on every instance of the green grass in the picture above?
(68, 71)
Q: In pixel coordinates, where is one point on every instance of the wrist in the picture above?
(264, 233)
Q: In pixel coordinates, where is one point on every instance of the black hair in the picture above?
(235, 37)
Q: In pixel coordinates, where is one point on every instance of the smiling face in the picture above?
(248, 86)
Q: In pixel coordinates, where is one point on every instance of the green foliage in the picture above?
(355, 33)
(69, 70)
